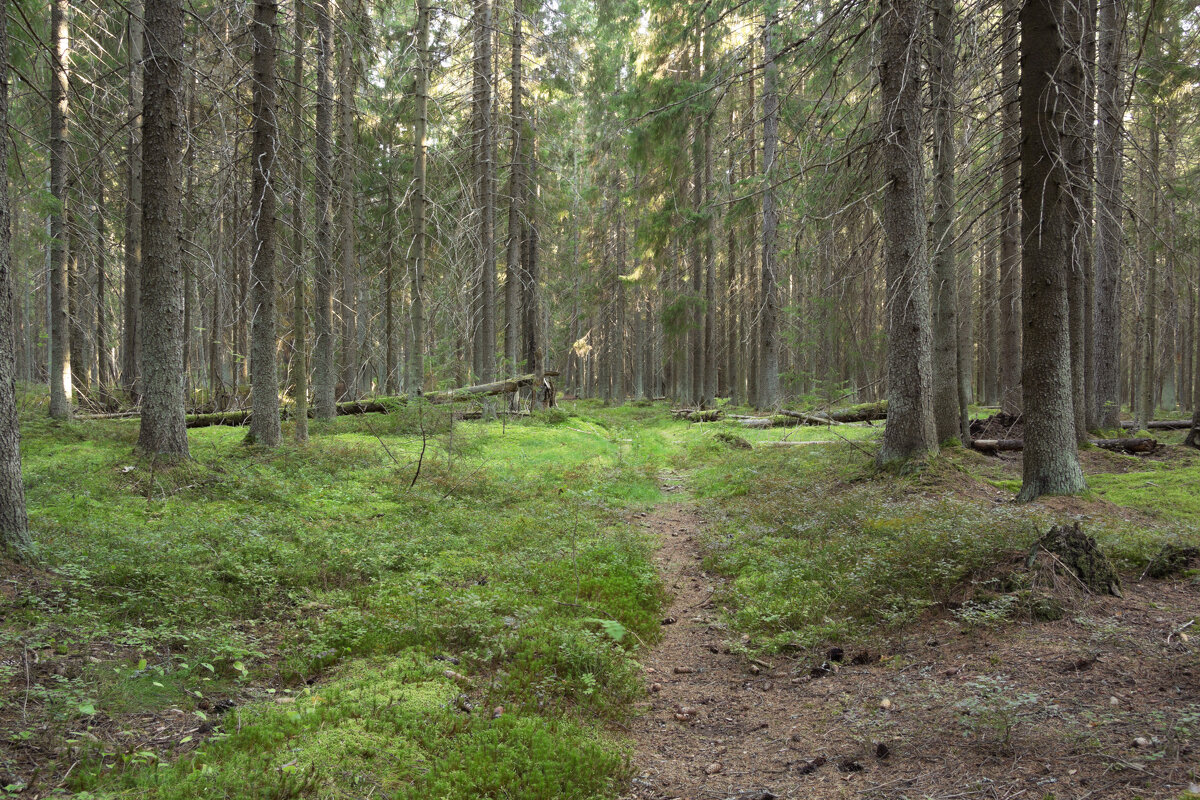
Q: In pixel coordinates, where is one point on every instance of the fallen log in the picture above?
(810, 419)
(867, 412)
(383, 404)
(1160, 425)
(697, 414)
(1135, 445)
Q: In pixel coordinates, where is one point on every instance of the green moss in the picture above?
(256, 568)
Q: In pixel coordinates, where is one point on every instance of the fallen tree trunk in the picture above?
(868, 412)
(1136, 445)
(697, 414)
(384, 404)
(1161, 425)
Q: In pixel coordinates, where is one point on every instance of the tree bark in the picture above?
(1010, 217)
(911, 432)
(264, 374)
(485, 187)
(1109, 233)
(946, 409)
(15, 541)
(516, 193)
(60, 342)
(768, 396)
(345, 200)
(131, 336)
(162, 430)
(324, 376)
(1072, 89)
(1051, 459)
(417, 313)
(299, 317)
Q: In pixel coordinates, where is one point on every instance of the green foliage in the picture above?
(261, 571)
(992, 710)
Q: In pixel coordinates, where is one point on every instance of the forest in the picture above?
(599, 399)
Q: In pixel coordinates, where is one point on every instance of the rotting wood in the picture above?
(1133, 445)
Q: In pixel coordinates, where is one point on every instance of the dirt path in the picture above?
(722, 727)
(719, 725)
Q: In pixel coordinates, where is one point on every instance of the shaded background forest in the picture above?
(620, 237)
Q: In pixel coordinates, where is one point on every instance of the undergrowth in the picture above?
(822, 548)
(409, 606)
(325, 577)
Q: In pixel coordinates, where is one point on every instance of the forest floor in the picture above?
(1104, 702)
(595, 603)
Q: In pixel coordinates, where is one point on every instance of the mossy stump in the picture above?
(1077, 552)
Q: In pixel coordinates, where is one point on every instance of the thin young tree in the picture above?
(324, 377)
(264, 374)
(1051, 458)
(911, 432)
(60, 344)
(14, 521)
(162, 431)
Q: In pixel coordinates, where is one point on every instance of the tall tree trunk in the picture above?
(516, 192)
(264, 373)
(162, 429)
(299, 317)
(768, 396)
(1010, 217)
(991, 323)
(485, 188)
(103, 364)
(81, 375)
(911, 432)
(1150, 248)
(417, 314)
(531, 279)
(1051, 460)
(1087, 129)
(946, 408)
(14, 521)
(1109, 228)
(391, 366)
(346, 164)
(710, 254)
(1072, 89)
(131, 333)
(324, 375)
(60, 343)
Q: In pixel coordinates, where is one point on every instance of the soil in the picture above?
(1104, 703)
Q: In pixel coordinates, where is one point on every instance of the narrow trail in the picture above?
(718, 726)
